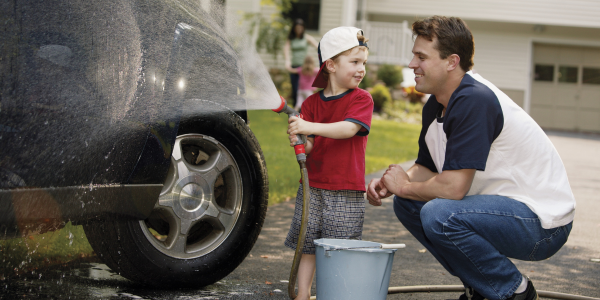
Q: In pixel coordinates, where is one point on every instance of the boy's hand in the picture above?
(293, 139)
(299, 126)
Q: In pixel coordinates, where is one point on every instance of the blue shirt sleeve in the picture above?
(430, 110)
(472, 122)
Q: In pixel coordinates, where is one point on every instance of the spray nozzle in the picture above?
(299, 146)
(284, 108)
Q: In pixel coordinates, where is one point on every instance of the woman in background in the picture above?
(294, 52)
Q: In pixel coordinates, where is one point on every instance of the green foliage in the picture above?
(281, 79)
(380, 95)
(389, 142)
(391, 75)
(272, 31)
(403, 111)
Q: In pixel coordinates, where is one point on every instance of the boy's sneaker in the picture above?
(529, 294)
(471, 294)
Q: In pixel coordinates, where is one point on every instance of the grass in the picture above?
(389, 142)
(38, 250)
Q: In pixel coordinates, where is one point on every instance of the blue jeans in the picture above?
(473, 238)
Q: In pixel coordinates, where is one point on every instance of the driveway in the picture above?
(571, 270)
(264, 273)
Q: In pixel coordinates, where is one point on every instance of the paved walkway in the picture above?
(571, 270)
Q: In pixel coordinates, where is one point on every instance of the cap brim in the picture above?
(320, 81)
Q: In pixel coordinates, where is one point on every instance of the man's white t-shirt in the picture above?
(484, 129)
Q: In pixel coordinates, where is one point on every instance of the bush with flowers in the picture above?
(412, 94)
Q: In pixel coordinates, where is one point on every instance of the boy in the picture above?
(336, 121)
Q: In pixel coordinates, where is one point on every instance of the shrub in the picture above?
(281, 79)
(412, 94)
(380, 95)
(403, 111)
(391, 75)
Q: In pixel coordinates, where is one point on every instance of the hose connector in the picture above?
(299, 145)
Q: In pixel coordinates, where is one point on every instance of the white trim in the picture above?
(582, 43)
(527, 96)
(349, 13)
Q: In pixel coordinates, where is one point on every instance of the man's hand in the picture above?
(394, 179)
(376, 191)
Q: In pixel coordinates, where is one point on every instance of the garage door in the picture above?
(566, 87)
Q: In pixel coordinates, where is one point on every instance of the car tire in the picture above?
(199, 231)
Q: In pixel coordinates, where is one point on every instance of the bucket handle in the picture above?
(381, 246)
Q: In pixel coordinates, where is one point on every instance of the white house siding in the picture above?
(583, 13)
(241, 6)
(502, 59)
(332, 12)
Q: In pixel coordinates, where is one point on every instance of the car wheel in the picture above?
(208, 215)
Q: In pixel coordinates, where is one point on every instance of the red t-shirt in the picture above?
(339, 164)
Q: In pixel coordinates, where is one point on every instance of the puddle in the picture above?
(93, 280)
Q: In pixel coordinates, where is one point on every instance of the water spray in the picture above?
(301, 158)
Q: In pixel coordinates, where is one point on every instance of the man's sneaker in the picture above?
(471, 294)
(529, 294)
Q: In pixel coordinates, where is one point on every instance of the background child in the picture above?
(307, 73)
(337, 121)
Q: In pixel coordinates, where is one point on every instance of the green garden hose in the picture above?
(303, 224)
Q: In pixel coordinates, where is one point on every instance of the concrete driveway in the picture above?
(572, 270)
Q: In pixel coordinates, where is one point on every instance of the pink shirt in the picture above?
(305, 82)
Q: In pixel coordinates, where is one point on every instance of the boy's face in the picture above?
(430, 70)
(350, 68)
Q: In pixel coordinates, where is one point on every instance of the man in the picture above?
(488, 183)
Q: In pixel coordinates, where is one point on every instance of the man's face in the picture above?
(430, 70)
(350, 68)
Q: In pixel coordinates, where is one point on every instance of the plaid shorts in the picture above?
(332, 214)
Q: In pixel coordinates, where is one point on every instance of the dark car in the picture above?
(128, 117)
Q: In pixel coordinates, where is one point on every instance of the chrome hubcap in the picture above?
(200, 201)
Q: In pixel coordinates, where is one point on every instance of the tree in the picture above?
(271, 31)
(391, 75)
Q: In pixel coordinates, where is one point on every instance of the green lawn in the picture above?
(389, 142)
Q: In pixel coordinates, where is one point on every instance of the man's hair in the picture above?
(335, 58)
(453, 37)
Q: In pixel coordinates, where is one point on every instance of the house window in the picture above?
(544, 73)
(567, 74)
(307, 10)
(591, 76)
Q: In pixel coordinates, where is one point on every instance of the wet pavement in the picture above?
(264, 273)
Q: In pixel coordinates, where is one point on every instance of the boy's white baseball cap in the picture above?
(334, 42)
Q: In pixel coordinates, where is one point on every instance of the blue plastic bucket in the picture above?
(352, 273)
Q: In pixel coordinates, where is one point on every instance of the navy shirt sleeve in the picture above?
(473, 120)
(430, 110)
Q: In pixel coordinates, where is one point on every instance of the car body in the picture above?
(128, 117)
